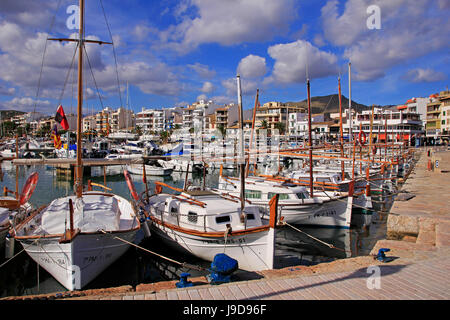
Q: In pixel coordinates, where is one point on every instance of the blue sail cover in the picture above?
(177, 151)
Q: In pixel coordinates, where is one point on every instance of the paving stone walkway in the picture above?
(424, 280)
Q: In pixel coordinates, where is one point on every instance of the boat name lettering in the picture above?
(95, 258)
(326, 213)
(239, 240)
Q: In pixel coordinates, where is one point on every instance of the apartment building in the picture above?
(437, 122)
(196, 115)
(122, 119)
(226, 116)
(150, 120)
(275, 112)
(89, 123)
(394, 124)
(103, 121)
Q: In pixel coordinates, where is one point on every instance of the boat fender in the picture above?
(9, 246)
(374, 150)
(147, 232)
(131, 185)
(28, 188)
(183, 281)
(360, 138)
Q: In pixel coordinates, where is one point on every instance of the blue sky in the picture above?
(173, 53)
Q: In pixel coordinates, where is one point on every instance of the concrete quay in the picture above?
(419, 242)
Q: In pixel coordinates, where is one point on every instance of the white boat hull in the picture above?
(76, 264)
(149, 170)
(253, 251)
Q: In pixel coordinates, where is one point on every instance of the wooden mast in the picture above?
(79, 166)
(251, 133)
(242, 153)
(341, 131)
(310, 140)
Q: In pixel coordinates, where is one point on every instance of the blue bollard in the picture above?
(183, 281)
(381, 256)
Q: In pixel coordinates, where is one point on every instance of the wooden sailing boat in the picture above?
(205, 223)
(74, 238)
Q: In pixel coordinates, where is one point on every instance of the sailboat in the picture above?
(76, 237)
(205, 223)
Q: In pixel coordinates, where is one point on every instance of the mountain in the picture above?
(328, 103)
(6, 114)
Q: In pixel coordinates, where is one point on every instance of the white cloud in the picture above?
(248, 87)
(7, 91)
(21, 64)
(28, 104)
(202, 70)
(424, 75)
(202, 97)
(208, 87)
(407, 31)
(252, 66)
(293, 59)
(228, 22)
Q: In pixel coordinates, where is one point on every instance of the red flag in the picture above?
(60, 117)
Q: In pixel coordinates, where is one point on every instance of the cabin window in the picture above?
(223, 219)
(283, 196)
(250, 216)
(253, 194)
(323, 180)
(301, 195)
(192, 217)
(173, 211)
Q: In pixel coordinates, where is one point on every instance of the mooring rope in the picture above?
(314, 238)
(183, 264)
(14, 256)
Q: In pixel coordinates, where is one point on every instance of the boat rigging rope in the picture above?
(183, 264)
(43, 57)
(92, 73)
(314, 238)
(114, 51)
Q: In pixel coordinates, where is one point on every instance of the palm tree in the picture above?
(264, 124)
(281, 127)
(164, 135)
(222, 130)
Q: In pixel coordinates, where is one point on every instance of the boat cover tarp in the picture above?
(99, 213)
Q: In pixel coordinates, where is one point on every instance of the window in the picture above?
(253, 194)
(250, 216)
(443, 122)
(192, 217)
(173, 211)
(301, 195)
(283, 196)
(223, 219)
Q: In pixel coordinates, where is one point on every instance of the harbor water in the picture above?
(22, 276)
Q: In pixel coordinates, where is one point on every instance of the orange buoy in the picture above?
(130, 185)
(360, 138)
(28, 188)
